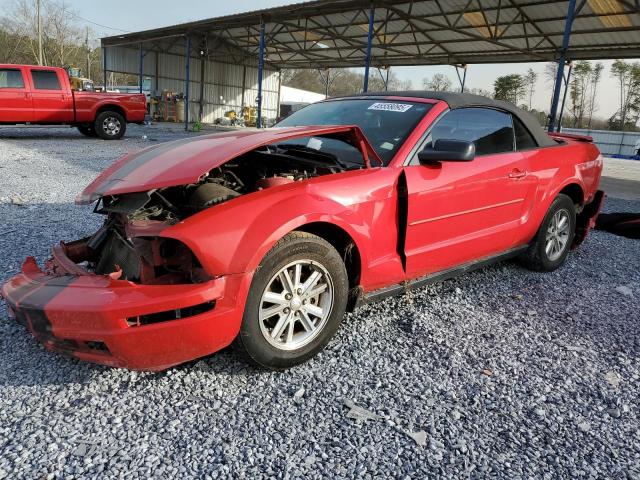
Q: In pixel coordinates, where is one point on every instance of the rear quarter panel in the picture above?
(234, 236)
(572, 162)
(88, 103)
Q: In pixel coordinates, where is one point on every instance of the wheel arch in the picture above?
(574, 191)
(112, 107)
(346, 247)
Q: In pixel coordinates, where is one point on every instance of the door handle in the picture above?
(517, 173)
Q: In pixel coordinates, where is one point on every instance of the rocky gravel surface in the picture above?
(503, 373)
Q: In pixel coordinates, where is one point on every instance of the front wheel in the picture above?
(110, 125)
(551, 244)
(296, 302)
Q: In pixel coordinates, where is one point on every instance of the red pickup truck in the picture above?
(43, 95)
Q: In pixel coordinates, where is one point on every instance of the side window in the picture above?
(490, 130)
(524, 140)
(11, 78)
(45, 80)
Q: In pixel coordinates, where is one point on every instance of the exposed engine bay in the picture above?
(266, 167)
(127, 245)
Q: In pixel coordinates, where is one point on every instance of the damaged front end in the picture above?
(131, 295)
(131, 250)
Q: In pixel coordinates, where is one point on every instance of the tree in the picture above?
(509, 88)
(64, 42)
(529, 81)
(479, 91)
(340, 81)
(596, 75)
(628, 76)
(376, 82)
(550, 72)
(438, 83)
(579, 90)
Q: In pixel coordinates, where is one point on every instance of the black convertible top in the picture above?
(462, 100)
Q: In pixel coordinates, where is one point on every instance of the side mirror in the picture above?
(444, 150)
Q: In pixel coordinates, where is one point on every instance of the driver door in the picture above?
(459, 212)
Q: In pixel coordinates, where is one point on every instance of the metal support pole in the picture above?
(186, 87)
(104, 66)
(203, 66)
(564, 96)
(568, 23)
(244, 86)
(462, 79)
(141, 64)
(365, 87)
(39, 27)
(155, 73)
(260, 72)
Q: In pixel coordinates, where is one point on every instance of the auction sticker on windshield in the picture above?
(391, 107)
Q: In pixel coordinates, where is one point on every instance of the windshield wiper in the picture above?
(313, 151)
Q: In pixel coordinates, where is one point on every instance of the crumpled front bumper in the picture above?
(96, 318)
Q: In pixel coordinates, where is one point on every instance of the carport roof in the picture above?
(333, 33)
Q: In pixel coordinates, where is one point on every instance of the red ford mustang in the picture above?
(267, 237)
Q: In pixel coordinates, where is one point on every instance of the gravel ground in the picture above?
(503, 372)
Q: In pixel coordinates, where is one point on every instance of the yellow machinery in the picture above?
(78, 82)
(250, 115)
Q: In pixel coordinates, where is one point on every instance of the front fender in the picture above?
(234, 237)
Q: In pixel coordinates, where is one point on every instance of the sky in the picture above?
(117, 16)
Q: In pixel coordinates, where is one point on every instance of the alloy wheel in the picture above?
(296, 304)
(557, 237)
(111, 126)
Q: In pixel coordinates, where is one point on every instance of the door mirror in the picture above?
(444, 150)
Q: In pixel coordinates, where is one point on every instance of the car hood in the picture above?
(186, 161)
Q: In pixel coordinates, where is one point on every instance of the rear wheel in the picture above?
(110, 125)
(297, 299)
(551, 244)
(87, 131)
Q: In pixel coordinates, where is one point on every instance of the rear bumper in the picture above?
(98, 319)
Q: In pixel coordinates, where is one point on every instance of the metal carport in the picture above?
(378, 33)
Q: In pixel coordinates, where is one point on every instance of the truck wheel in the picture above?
(87, 131)
(551, 244)
(110, 125)
(296, 302)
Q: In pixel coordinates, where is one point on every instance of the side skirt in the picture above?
(401, 288)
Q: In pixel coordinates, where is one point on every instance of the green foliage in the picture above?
(509, 88)
(438, 83)
(627, 75)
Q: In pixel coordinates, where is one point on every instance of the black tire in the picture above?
(110, 125)
(537, 257)
(87, 131)
(296, 246)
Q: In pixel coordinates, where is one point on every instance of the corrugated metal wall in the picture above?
(223, 82)
(610, 142)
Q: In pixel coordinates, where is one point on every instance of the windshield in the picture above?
(385, 123)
